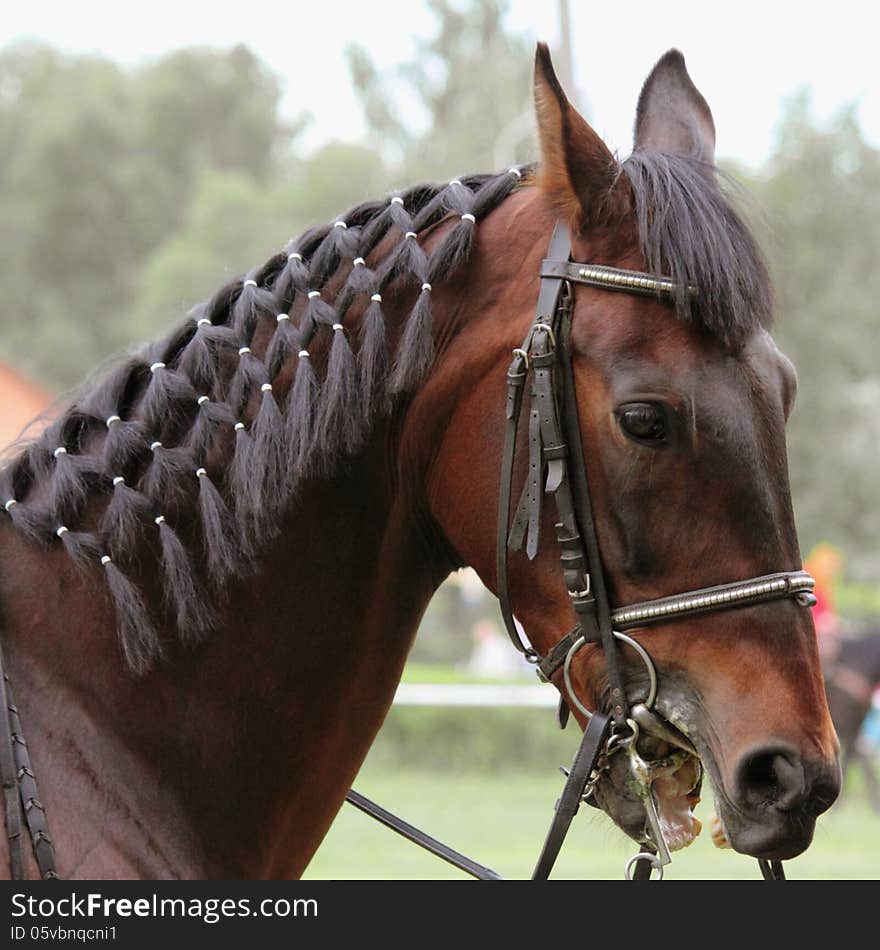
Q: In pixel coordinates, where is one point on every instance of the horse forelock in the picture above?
(203, 437)
(688, 230)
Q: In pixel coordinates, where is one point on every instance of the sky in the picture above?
(746, 58)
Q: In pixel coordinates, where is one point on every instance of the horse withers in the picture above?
(216, 559)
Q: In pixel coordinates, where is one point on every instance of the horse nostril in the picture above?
(825, 787)
(772, 777)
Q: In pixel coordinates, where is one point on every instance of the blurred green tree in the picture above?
(98, 166)
(471, 84)
(234, 222)
(822, 192)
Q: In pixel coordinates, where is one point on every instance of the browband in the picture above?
(611, 278)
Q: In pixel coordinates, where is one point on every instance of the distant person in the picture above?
(825, 563)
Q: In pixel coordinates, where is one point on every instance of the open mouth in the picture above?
(674, 774)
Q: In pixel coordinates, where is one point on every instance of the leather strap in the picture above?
(549, 292)
(527, 520)
(553, 661)
(583, 506)
(419, 837)
(516, 379)
(771, 870)
(544, 351)
(20, 790)
(11, 802)
(569, 803)
(34, 813)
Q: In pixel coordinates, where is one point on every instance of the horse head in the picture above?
(682, 404)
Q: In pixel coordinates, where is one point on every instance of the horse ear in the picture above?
(672, 116)
(577, 170)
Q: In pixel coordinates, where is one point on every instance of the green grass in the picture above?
(500, 820)
(445, 673)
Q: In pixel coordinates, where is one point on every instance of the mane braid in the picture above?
(149, 440)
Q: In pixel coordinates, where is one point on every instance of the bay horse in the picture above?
(851, 678)
(216, 558)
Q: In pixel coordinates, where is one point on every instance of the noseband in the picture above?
(556, 468)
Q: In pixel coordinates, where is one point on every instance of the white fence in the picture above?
(475, 694)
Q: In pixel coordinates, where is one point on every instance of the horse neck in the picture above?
(231, 758)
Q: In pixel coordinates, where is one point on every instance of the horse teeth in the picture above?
(719, 835)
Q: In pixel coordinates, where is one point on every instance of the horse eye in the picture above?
(644, 421)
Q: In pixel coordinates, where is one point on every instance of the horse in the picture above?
(850, 680)
(215, 559)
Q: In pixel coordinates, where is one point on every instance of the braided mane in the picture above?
(192, 446)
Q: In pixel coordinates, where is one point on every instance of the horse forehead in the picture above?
(630, 336)
(637, 343)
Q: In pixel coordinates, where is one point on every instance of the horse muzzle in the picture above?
(776, 796)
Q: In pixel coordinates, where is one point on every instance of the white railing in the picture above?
(475, 694)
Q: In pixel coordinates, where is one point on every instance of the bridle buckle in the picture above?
(585, 592)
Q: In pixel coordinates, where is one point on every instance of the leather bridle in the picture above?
(557, 469)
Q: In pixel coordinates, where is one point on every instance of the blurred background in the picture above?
(149, 154)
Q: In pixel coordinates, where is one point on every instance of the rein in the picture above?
(20, 791)
(557, 469)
